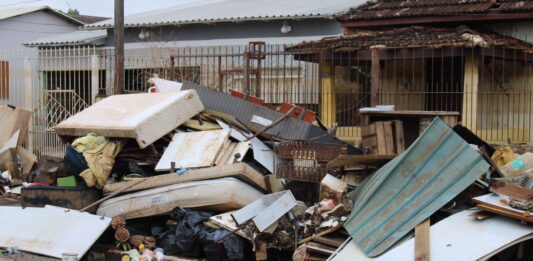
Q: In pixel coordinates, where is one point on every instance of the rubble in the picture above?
(201, 175)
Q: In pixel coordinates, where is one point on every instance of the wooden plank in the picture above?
(380, 134)
(398, 137)
(511, 190)
(273, 184)
(389, 140)
(409, 113)
(334, 242)
(422, 241)
(350, 160)
(376, 77)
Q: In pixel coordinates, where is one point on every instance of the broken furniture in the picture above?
(306, 161)
(414, 122)
(223, 194)
(410, 188)
(66, 197)
(500, 205)
(145, 117)
(14, 119)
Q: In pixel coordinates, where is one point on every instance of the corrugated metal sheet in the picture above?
(410, 188)
(96, 37)
(234, 10)
(290, 128)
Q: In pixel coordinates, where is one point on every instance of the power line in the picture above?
(23, 2)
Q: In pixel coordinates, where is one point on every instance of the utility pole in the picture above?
(119, 46)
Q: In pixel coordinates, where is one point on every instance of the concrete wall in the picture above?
(229, 33)
(17, 30)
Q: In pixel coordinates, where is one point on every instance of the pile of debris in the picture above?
(189, 173)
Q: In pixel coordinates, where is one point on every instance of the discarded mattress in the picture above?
(218, 195)
(50, 231)
(145, 117)
(459, 237)
(241, 171)
(410, 188)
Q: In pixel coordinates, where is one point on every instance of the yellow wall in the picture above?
(403, 84)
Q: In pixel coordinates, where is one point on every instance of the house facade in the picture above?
(473, 57)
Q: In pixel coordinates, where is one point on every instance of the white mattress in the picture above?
(217, 194)
(145, 117)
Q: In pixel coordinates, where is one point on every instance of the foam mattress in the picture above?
(222, 195)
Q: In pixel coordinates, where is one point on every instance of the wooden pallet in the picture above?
(383, 138)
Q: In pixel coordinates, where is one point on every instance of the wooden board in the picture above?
(492, 203)
(53, 231)
(229, 153)
(422, 241)
(380, 138)
(225, 221)
(193, 149)
(240, 171)
(12, 120)
(389, 140)
(145, 117)
(398, 137)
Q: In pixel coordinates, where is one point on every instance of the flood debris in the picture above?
(188, 173)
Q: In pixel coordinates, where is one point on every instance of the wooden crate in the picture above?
(383, 138)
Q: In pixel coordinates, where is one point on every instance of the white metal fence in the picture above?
(58, 82)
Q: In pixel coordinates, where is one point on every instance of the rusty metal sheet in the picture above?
(50, 231)
(193, 149)
(410, 188)
(255, 117)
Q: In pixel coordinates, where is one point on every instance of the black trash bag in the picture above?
(190, 238)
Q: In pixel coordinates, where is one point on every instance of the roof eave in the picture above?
(233, 20)
(436, 19)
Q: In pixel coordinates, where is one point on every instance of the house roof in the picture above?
(210, 11)
(88, 19)
(12, 12)
(412, 37)
(382, 9)
(82, 37)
